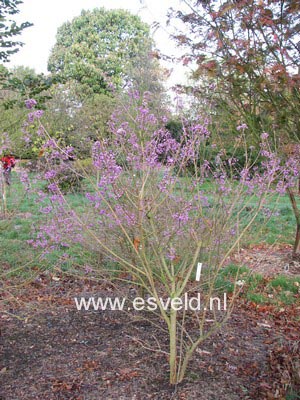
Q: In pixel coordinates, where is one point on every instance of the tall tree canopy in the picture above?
(250, 51)
(100, 46)
(9, 29)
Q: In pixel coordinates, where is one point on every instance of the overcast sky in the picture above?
(48, 15)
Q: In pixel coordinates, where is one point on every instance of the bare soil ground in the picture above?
(268, 260)
(55, 352)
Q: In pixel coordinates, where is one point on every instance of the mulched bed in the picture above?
(57, 352)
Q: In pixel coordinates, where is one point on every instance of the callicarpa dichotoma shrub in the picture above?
(155, 207)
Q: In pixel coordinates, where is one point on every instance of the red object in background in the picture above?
(8, 162)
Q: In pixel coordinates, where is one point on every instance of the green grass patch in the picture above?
(255, 288)
(283, 283)
(257, 298)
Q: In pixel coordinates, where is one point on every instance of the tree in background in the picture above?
(78, 124)
(23, 83)
(98, 56)
(9, 29)
(102, 47)
(249, 53)
(16, 86)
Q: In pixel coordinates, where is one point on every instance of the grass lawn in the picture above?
(24, 217)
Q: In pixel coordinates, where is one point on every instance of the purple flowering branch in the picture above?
(148, 209)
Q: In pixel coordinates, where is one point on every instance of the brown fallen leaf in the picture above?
(126, 374)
